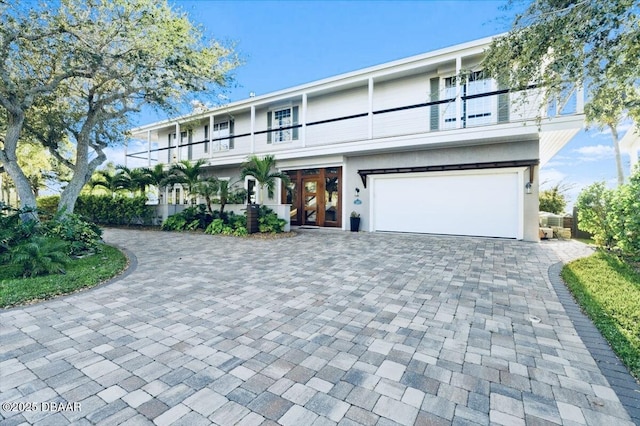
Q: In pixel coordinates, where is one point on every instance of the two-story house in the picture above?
(405, 144)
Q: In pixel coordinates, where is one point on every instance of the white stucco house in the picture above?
(404, 144)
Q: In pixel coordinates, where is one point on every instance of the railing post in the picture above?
(303, 120)
(370, 112)
(253, 129)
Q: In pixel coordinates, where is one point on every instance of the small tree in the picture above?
(208, 189)
(553, 200)
(260, 170)
(625, 216)
(186, 174)
(593, 205)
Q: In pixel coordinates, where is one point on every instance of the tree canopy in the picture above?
(78, 69)
(564, 44)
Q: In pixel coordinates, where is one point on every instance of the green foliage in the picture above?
(268, 221)
(260, 170)
(38, 255)
(553, 200)
(107, 210)
(625, 216)
(48, 204)
(608, 290)
(80, 273)
(82, 237)
(611, 216)
(190, 219)
(215, 227)
(593, 205)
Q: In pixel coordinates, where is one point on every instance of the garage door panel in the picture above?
(463, 204)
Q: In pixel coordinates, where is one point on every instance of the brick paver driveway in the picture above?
(323, 328)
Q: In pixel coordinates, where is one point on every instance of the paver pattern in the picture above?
(319, 329)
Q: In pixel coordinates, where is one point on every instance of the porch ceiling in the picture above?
(556, 134)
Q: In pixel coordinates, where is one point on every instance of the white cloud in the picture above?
(551, 177)
(594, 152)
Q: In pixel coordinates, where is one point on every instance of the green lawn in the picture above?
(608, 290)
(80, 273)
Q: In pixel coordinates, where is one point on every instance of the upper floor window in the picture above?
(281, 122)
(475, 111)
(220, 136)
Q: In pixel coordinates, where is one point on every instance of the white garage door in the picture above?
(458, 203)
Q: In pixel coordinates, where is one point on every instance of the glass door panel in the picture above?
(310, 197)
(331, 198)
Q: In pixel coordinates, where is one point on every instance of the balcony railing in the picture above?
(484, 109)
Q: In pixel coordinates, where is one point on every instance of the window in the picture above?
(479, 110)
(220, 136)
(476, 111)
(282, 121)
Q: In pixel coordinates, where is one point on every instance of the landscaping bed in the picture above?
(608, 291)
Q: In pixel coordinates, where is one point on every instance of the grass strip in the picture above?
(80, 273)
(608, 290)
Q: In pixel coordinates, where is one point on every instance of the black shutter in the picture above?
(435, 109)
(206, 138)
(231, 134)
(503, 105)
(269, 115)
(294, 113)
(190, 146)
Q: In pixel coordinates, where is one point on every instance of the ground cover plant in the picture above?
(608, 290)
(226, 223)
(79, 274)
(42, 259)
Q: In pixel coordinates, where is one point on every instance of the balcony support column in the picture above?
(211, 123)
(458, 92)
(148, 148)
(177, 140)
(370, 111)
(253, 129)
(303, 119)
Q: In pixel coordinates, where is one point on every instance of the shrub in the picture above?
(107, 210)
(83, 237)
(190, 219)
(268, 221)
(37, 256)
(625, 217)
(48, 205)
(215, 227)
(553, 200)
(594, 205)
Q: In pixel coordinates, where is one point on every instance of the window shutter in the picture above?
(269, 115)
(190, 146)
(169, 148)
(503, 105)
(435, 109)
(231, 131)
(294, 113)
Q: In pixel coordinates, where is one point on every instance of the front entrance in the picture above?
(314, 195)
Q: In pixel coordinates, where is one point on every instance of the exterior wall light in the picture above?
(528, 187)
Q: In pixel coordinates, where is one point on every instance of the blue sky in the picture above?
(286, 43)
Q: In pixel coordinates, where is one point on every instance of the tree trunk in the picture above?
(81, 175)
(616, 146)
(9, 160)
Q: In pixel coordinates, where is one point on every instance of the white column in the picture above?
(211, 123)
(148, 148)
(370, 112)
(126, 145)
(303, 119)
(253, 128)
(458, 93)
(177, 140)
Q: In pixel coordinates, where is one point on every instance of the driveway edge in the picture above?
(612, 368)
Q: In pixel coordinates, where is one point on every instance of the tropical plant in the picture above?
(261, 170)
(82, 237)
(135, 180)
(187, 175)
(112, 182)
(209, 189)
(268, 221)
(38, 255)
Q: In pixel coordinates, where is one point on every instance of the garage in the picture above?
(484, 203)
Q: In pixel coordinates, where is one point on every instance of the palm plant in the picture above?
(260, 170)
(208, 188)
(186, 174)
(156, 175)
(136, 180)
(38, 256)
(112, 182)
